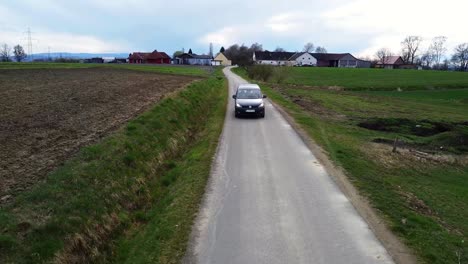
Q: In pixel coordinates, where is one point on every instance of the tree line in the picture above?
(431, 58)
(6, 54)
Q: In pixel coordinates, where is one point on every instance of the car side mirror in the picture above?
(234, 96)
(264, 96)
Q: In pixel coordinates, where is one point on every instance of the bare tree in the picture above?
(308, 47)
(5, 53)
(460, 56)
(382, 55)
(427, 58)
(256, 47)
(19, 53)
(410, 47)
(438, 49)
(320, 50)
(279, 49)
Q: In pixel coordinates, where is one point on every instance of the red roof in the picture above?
(155, 55)
(138, 55)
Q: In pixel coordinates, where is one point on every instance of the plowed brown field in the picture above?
(47, 115)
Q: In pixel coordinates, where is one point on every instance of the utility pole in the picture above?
(30, 45)
(211, 50)
(48, 54)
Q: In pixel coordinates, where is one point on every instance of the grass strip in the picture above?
(374, 79)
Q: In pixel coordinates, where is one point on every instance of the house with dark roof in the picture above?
(272, 58)
(341, 60)
(154, 57)
(391, 62)
(309, 59)
(193, 59)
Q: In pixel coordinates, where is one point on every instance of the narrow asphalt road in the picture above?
(270, 201)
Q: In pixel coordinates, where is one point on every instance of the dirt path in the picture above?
(47, 115)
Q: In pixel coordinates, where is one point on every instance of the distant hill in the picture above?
(68, 55)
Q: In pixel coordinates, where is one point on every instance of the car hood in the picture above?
(249, 101)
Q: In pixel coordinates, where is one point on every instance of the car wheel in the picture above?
(236, 115)
(262, 115)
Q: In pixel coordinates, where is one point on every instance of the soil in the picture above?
(47, 115)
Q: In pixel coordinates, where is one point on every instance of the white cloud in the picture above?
(389, 22)
(230, 35)
(63, 42)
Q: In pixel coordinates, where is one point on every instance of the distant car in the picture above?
(249, 101)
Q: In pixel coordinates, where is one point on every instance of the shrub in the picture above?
(280, 74)
(260, 72)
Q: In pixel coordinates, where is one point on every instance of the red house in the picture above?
(154, 57)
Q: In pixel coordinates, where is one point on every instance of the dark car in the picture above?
(249, 101)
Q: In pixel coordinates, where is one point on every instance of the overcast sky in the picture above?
(356, 26)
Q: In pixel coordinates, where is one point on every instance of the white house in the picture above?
(303, 59)
(272, 58)
(284, 58)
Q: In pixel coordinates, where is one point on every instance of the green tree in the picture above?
(19, 53)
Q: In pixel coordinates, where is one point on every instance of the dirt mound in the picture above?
(47, 115)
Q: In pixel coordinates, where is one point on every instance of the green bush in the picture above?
(280, 74)
(260, 72)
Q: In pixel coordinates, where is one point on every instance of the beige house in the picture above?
(221, 60)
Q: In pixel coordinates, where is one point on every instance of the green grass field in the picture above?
(376, 79)
(167, 69)
(143, 182)
(424, 201)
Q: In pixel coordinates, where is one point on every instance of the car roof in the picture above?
(248, 86)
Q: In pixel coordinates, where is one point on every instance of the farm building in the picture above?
(94, 60)
(193, 59)
(391, 62)
(341, 60)
(303, 59)
(309, 59)
(272, 58)
(154, 57)
(221, 60)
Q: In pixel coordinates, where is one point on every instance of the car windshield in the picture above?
(249, 94)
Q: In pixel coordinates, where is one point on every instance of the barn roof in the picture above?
(274, 56)
(148, 55)
(329, 56)
(297, 55)
(392, 60)
(195, 56)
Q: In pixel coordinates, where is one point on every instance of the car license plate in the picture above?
(250, 111)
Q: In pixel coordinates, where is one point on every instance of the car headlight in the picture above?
(238, 105)
(261, 105)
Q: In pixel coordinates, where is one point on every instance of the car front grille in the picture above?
(250, 106)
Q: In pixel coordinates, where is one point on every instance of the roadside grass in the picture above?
(375, 79)
(166, 227)
(166, 69)
(425, 202)
(150, 175)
